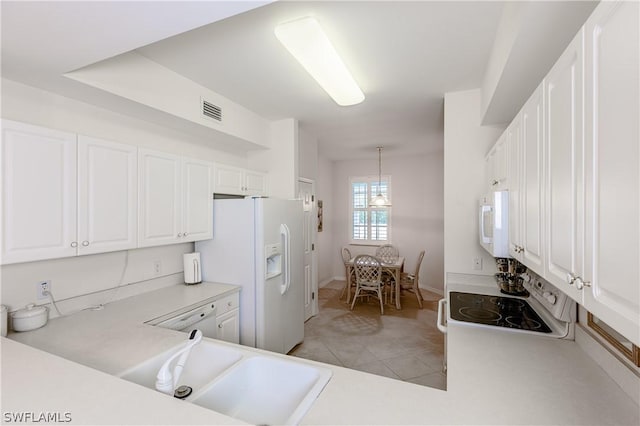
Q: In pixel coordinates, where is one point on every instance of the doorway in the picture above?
(306, 192)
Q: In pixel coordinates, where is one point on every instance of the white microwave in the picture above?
(494, 223)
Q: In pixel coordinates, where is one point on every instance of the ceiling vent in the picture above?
(212, 111)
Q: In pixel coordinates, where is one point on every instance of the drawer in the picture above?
(227, 303)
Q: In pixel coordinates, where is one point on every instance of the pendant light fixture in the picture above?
(379, 200)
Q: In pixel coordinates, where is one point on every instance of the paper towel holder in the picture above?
(192, 271)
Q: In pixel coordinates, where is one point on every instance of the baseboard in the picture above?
(437, 291)
(328, 280)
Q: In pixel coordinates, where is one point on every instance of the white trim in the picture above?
(329, 280)
(314, 241)
(437, 291)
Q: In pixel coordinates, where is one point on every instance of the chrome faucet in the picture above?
(166, 381)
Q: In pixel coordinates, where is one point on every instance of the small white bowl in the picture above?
(29, 318)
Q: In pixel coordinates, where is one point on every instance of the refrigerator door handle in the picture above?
(286, 268)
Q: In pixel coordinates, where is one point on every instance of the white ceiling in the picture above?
(405, 56)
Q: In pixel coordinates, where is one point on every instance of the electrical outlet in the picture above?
(477, 264)
(157, 267)
(41, 288)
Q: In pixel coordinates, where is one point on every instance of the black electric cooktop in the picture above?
(495, 310)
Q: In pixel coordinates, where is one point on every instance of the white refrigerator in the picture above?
(258, 244)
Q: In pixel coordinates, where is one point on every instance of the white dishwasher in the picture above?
(202, 317)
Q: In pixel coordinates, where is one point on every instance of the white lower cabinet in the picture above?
(175, 199)
(228, 319)
(65, 195)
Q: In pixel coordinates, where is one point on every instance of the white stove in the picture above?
(476, 301)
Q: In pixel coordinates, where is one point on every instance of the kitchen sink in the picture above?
(258, 389)
(206, 361)
(265, 390)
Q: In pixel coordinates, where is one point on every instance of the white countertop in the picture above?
(493, 377)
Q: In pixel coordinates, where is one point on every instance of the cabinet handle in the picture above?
(570, 278)
(219, 325)
(580, 283)
(495, 182)
(179, 234)
(184, 235)
(74, 244)
(85, 243)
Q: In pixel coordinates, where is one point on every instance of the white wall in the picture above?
(417, 212)
(72, 277)
(326, 247)
(281, 160)
(134, 77)
(307, 155)
(466, 143)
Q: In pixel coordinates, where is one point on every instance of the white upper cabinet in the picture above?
(197, 200)
(496, 165)
(514, 172)
(237, 181)
(255, 183)
(531, 208)
(174, 199)
(160, 198)
(564, 148)
(612, 159)
(65, 195)
(107, 196)
(38, 193)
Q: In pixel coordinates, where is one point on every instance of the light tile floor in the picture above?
(402, 344)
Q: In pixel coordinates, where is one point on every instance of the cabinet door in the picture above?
(197, 214)
(499, 180)
(38, 193)
(532, 180)
(489, 167)
(229, 180)
(564, 171)
(229, 326)
(160, 198)
(514, 155)
(255, 183)
(612, 162)
(107, 196)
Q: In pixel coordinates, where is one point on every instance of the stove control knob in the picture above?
(551, 298)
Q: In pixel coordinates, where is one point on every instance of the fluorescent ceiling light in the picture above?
(306, 41)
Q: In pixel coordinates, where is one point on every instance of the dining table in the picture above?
(393, 267)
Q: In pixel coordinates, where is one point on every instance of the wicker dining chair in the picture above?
(410, 282)
(368, 278)
(346, 257)
(387, 253)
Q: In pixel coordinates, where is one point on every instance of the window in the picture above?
(369, 225)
